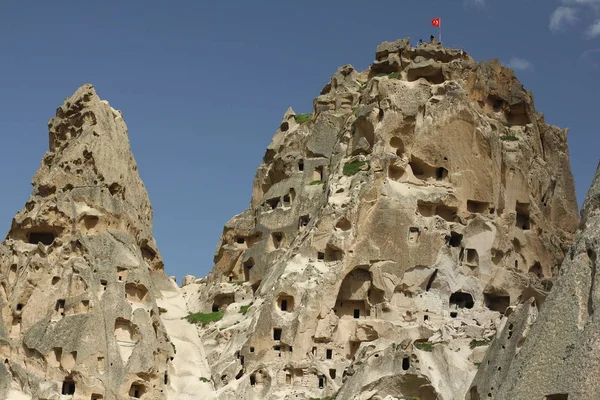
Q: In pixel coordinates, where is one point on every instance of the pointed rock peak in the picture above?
(88, 173)
(288, 117)
(72, 112)
(84, 273)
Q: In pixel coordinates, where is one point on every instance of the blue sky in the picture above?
(203, 85)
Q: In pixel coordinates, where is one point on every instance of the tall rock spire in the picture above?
(81, 270)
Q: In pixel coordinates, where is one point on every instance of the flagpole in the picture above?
(440, 31)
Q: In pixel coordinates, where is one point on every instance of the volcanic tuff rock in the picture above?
(390, 234)
(81, 275)
(553, 357)
(387, 234)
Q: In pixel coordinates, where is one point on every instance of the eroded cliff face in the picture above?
(387, 234)
(420, 210)
(552, 355)
(81, 273)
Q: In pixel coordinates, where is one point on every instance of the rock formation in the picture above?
(81, 275)
(387, 234)
(553, 355)
(420, 210)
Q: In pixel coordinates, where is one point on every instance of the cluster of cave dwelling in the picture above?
(357, 298)
(301, 212)
(43, 243)
(283, 221)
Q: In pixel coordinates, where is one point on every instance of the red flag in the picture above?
(435, 22)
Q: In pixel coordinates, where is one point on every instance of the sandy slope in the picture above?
(189, 364)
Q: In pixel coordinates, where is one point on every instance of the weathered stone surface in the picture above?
(557, 354)
(385, 48)
(422, 209)
(424, 69)
(188, 279)
(81, 273)
(398, 223)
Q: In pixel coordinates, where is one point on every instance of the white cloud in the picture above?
(479, 3)
(519, 64)
(581, 2)
(594, 30)
(590, 52)
(565, 15)
(562, 17)
(593, 5)
(591, 56)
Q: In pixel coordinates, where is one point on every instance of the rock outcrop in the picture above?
(387, 234)
(553, 355)
(421, 210)
(81, 274)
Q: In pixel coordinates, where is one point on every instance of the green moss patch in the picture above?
(202, 318)
(244, 309)
(353, 167)
(478, 343)
(425, 346)
(302, 118)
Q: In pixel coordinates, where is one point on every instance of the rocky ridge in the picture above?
(388, 233)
